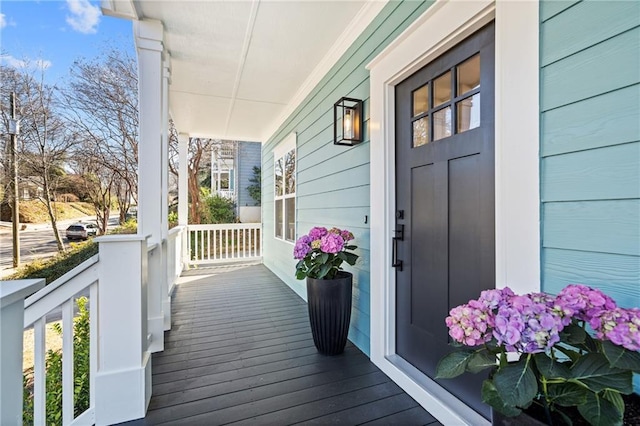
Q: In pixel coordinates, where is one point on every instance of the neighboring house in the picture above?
(30, 190)
(501, 148)
(232, 164)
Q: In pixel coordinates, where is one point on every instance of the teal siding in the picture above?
(590, 146)
(333, 181)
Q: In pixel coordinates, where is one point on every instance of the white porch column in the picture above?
(164, 216)
(123, 380)
(149, 36)
(183, 193)
(12, 295)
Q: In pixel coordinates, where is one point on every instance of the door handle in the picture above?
(399, 236)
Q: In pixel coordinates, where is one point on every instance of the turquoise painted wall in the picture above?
(333, 181)
(590, 146)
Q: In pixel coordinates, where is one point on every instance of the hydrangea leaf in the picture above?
(551, 369)
(567, 394)
(516, 383)
(594, 371)
(491, 396)
(453, 364)
(573, 334)
(620, 357)
(600, 412)
(615, 398)
(481, 360)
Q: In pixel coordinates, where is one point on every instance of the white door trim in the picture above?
(441, 27)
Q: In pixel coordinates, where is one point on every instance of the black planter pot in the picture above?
(329, 303)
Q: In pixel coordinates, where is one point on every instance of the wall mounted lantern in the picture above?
(348, 122)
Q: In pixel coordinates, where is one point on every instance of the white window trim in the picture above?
(288, 144)
(442, 26)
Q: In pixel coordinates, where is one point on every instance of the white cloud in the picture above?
(40, 64)
(3, 20)
(84, 17)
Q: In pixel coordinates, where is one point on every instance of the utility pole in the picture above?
(14, 130)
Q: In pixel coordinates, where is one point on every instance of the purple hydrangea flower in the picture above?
(620, 326)
(468, 323)
(301, 249)
(346, 235)
(317, 232)
(584, 302)
(331, 243)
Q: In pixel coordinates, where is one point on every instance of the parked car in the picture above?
(81, 231)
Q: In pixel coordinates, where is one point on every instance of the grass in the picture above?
(34, 211)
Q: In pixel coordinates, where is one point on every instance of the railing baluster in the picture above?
(39, 389)
(208, 244)
(67, 361)
(93, 342)
(234, 234)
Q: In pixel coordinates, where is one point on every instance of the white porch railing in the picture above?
(60, 296)
(221, 243)
(117, 284)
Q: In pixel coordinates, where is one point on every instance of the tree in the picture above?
(199, 148)
(102, 102)
(255, 189)
(45, 140)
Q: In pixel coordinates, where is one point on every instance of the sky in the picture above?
(52, 34)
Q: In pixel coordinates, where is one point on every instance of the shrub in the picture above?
(55, 267)
(255, 189)
(220, 209)
(129, 227)
(53, 375)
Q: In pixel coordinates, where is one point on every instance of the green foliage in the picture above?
(584, 372)
(219, 209)
(53, 366)
(55, 267)
(129, 227)
(255, 189)
(173, 219)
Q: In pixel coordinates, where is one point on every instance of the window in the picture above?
(285, 189)
(454, 95)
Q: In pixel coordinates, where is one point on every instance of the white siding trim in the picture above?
(441, 27)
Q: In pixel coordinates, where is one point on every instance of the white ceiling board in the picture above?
(238, 67)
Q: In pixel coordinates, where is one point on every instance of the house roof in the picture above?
(239, 68)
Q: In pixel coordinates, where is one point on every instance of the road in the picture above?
(36, 241)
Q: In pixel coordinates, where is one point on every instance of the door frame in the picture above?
(517, 198)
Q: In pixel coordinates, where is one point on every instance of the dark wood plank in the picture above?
(240, 351)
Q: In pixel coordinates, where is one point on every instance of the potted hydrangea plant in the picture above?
(576, 351)
(320, 255)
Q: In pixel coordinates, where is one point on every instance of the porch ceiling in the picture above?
(238, 68)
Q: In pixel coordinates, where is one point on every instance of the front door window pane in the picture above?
(442, 89)
(421, 131)
(468, 113)
(442, 123)
(421, 100)
(469, 75)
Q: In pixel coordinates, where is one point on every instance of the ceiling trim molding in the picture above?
(243, 60)
(356, 27)
(125, 9)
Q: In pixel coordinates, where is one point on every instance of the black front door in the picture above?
(444, 201)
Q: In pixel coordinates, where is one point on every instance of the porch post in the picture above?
(149, 46)
(12, 295)
(123, 379)
(183, 194)
(164, 199)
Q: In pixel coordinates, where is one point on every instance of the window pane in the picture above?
(469, 75)
(278, 176)
(421, 100)
(442, 89)
(421, 131)
(290, 172)
(279, 222)
(290, 214)
(442, 123)
(224, 180)
(468, 113)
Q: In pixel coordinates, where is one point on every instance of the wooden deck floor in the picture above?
(240, 351)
